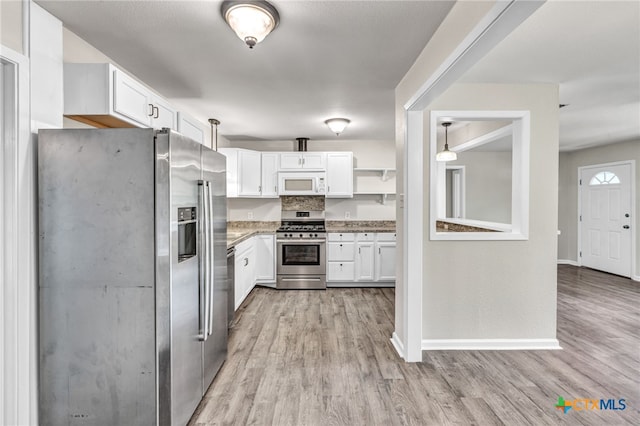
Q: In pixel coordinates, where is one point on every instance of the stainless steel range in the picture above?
(301, 245)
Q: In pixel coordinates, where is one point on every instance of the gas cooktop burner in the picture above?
(304, 228)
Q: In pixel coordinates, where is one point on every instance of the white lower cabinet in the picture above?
(265, 258)
(385, 261)
(255, 263)
(364, 258)
(364, 261)
(245, 271)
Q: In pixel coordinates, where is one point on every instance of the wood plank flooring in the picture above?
(324, 358)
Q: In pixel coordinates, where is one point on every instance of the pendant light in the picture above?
(214, 122)
(337, 125)
(445, 154)
(251, 20)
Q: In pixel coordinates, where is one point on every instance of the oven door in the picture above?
(301, 257)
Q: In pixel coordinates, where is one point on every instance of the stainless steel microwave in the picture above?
(301, 183)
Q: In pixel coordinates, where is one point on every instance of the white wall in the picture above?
(487, 185)
(500, 289)
(11, 25)
(568, 191)
(366, 153)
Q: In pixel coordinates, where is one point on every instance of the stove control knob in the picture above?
(310, 235)
(300, 235)
(316, 235)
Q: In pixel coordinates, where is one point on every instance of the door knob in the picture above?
(626, 215)
(626, 226)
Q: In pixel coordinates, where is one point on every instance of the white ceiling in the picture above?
(326, 59)
(592, 49)
(344, 58)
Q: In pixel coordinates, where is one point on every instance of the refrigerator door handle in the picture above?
(210, 257)
(204, 266)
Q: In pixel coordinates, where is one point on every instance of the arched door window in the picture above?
(604, 178)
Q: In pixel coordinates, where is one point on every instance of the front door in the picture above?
(605, 218)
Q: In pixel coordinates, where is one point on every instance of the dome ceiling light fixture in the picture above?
(251, 20)
(337, 125)
(445, 154)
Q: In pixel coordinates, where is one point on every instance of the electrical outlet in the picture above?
(250, 215)
(347, 215)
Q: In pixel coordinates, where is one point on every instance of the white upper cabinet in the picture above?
(249, 172)
(339, 175)
(191, 128)
(269, 175)
(243, 172)
(244, 178)
(104, 96)
(302, 161)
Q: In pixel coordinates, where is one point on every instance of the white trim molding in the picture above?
(397, 344)
(567, 262)
(18, 330)
(490, 344)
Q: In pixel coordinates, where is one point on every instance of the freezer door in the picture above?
(180, 378)
(215, 347)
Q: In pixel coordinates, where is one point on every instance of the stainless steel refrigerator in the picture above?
(132, 275)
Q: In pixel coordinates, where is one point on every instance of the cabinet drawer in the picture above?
(342, 236)
(366, 236)
(340, 271)
(386, 236)
(340, 251)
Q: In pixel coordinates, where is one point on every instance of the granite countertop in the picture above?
(361, 226)
(238, 232)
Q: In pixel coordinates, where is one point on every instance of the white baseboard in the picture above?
(635, 277)
(397, 344)
(489, 344)
(567, 262)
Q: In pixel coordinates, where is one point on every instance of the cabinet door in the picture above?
(269, 175)
(339, 175)
(290, 161)
(131, 99)
(385, 261)
(313, 160)
(340, 271)
(249, 175)
(338, 251)
(191, 128)
(239, 283)
(364, 261)
(265, 258)
(164, 115)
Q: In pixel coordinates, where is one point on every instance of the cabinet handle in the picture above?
(151, 113)
(246, 261)
(157, 112)
(359, 252)
(259, 188)
(340, 245)
(328, 188)
(275, 188)
(379, 252)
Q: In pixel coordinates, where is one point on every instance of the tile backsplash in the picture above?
(302, 202)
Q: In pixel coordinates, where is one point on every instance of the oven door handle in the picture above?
(294, 241)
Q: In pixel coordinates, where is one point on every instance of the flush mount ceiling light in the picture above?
(445, 154)
(251, 20)
(337, 125)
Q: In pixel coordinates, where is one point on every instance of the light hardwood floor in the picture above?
(324, 358)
